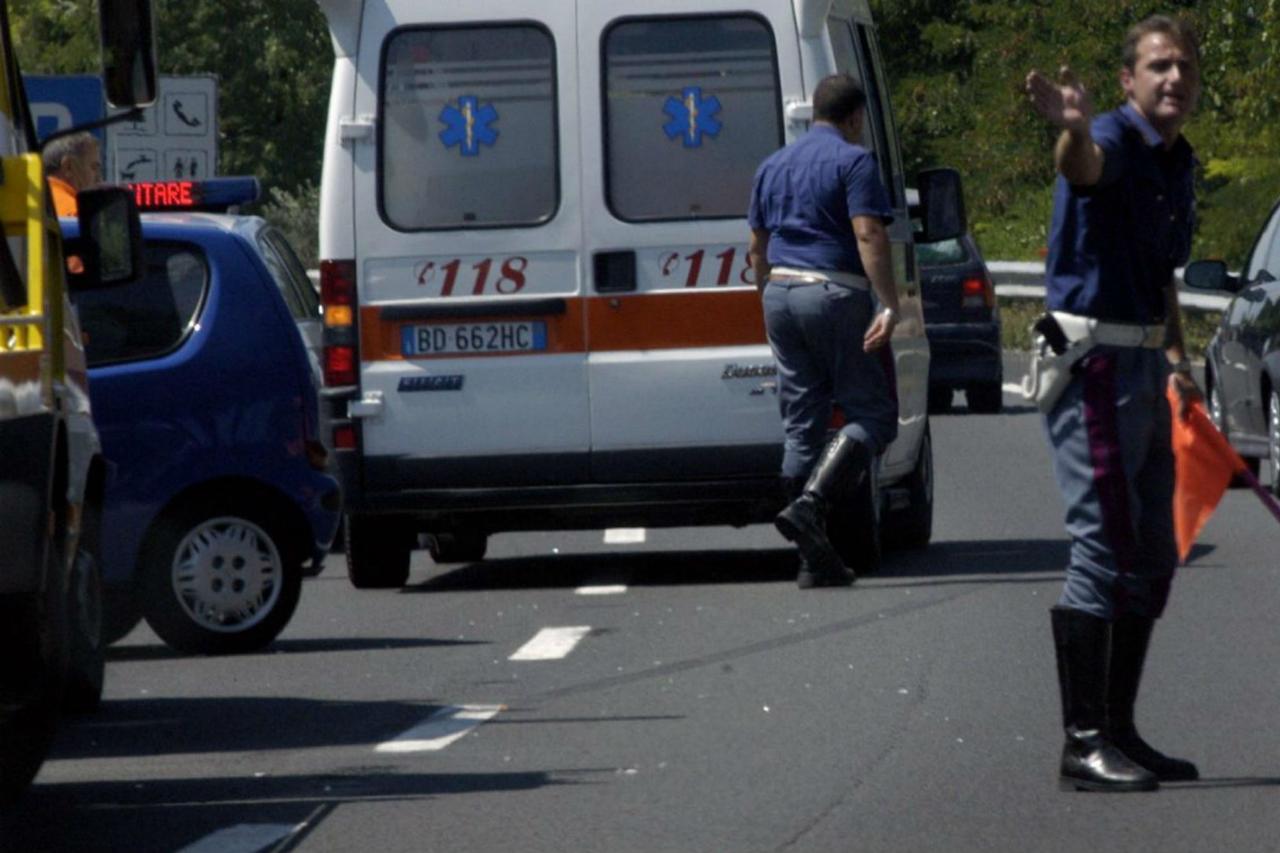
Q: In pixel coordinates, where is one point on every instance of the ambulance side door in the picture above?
(681, 101)
(856, 52)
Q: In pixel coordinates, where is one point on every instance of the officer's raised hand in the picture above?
(1064, 104)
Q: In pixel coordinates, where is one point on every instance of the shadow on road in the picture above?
(637, 568)
(232, 724)
(159, 651)
(169, 814)
(996, 561)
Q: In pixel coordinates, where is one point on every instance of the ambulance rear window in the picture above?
(468, 130)
(692, 108)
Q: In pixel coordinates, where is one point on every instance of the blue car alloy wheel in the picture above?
(219, 581)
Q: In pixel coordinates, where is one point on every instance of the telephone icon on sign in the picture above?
(183, 117)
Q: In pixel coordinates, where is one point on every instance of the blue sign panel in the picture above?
(59, 102)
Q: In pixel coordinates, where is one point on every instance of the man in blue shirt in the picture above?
(1123, 217)
(818, 244)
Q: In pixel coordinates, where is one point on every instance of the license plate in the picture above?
(466, 338)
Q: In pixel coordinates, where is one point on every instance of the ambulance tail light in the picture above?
(338, 295)
(977, 292)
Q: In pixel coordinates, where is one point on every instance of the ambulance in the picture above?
(539, 312)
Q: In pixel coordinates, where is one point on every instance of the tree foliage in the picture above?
(957, 65)
(958, 68)
(272, 59)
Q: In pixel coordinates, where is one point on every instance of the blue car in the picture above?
(205, 395)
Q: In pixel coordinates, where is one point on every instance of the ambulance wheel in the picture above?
(854, 527)
(985, 399)
(460, 546)
(378, 552)
(912, 525)
(220, 577)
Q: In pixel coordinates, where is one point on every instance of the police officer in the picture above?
(818, 245)
(1123, 215)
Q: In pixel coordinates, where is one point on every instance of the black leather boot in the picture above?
(1130, 638)
(1090, 761)
(842, 465)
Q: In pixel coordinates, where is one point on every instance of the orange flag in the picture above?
(1205, 463)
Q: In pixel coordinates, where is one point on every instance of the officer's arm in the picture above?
(873, 249)
(1078, 158)
(758, 253)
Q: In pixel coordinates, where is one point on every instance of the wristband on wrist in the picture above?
(1182, 366)
(890, 313)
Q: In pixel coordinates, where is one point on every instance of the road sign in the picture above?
(60, 101)
(177, 137)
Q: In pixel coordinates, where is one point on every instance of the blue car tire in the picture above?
(219, 578)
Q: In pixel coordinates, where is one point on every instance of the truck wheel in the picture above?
(120, 613)
(35, 634)
(378, 552)
(912, 525)
(854, 527)
(219, 579)
(460, 546)
(84, 604)
(985, 399)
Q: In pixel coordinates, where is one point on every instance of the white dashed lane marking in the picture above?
(552, 643)
(440, 729)
(624, 536)
(602, 589)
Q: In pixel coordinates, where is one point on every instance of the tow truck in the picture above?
(51, 467)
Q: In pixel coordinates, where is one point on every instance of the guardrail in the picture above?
(1025, 280)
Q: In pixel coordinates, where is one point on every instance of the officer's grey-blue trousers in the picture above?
(1112, 455)
(816, 332)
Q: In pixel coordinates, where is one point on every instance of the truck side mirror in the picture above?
(109, 247)
(128, 52)
(941, 205)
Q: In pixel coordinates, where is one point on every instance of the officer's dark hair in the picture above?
(1178, 29)
(837, 97)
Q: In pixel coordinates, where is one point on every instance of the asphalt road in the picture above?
(693, 700)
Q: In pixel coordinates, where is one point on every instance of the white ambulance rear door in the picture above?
(681, 101)
(468, 224)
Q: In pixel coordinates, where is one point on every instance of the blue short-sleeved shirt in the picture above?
(806, 193)
(1113, 246)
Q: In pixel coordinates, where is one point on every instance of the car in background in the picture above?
(1242, 361)
(206, 399)
(962, 323)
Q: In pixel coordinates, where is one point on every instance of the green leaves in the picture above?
(958, 69)
(272, 59)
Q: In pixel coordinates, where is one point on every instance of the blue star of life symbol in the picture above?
(692, 116)
(467, 125)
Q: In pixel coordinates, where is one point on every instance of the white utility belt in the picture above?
(795, 275)
(1051, 372)
(1078, 328)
